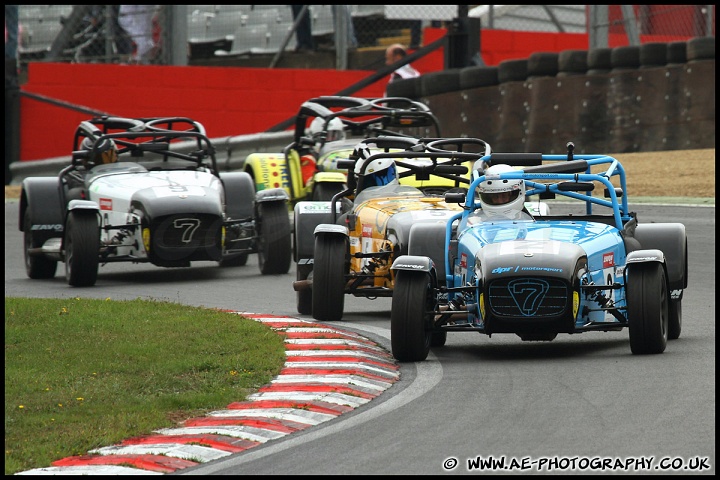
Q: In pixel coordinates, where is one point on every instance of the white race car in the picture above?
(148, 190)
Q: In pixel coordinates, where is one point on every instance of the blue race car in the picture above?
(507, 271)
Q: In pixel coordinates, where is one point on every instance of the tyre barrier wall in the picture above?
(653, 97)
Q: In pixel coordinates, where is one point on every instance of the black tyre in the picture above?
(407, 87)
(700, 48)
(647, 308)
(82, 248)
(443, 81)
(438, 339)
(572, 62)
(37, 267)
(325, 191)
(542, 64)
(512, 71)
(676, 53)
(625, 57)
(237, 261)
(304, 297)
(409, 317)
(328, 292)
(598, 60)
(478, 76)
(674, 319)
(274, 238)
(653, 54)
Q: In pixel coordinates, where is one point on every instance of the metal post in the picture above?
(175, 47)
(341, 35)
(630, 24)
(598, 34)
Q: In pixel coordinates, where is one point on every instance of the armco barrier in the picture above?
(230, 153)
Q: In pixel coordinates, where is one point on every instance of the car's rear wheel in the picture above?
(409, 317)
(328, 291)
(647, 308)
(275, 238)
(325, 191)
(304, 297)
(82, 248)
(674, 319)
(36, 266)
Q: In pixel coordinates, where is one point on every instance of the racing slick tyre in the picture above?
(82, 248)
(275, 233)
(674, 319)
(238, 261)
(37, 267)
(438, 339)
(304, 297)
(409, 337)
(324, 192)
(647, 308)
(328, 291)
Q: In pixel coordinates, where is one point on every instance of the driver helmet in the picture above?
(103, 151)
(333, 132)
(378, 172)
(502, 198)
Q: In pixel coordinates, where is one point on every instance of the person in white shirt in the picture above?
(393, 54)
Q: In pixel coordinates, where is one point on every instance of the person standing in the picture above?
(137, 21)
(305, 41)
(393, 54)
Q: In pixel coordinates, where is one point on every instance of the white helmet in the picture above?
(333, 132)
(502, 198)
(378, 172)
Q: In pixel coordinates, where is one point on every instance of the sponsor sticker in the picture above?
(105, 204)
(608, 259)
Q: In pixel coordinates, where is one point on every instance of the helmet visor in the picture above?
(499, 198)
(379, 178)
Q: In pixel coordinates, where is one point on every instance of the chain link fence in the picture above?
(146, 34)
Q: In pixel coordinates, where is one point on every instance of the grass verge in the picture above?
(86, 373)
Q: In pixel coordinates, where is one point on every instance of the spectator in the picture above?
(137, 21)
(395, 53)
(305, 41)
(351, 38)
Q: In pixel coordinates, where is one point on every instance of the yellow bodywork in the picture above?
(369, 234)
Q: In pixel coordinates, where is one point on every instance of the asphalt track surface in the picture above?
(343, 375)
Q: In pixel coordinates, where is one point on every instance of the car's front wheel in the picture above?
(409, 317)
(647, 308)
(328, 290)
(275, 238)
(36, 266)
(82, 248)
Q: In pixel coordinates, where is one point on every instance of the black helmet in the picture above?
(102, 151)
